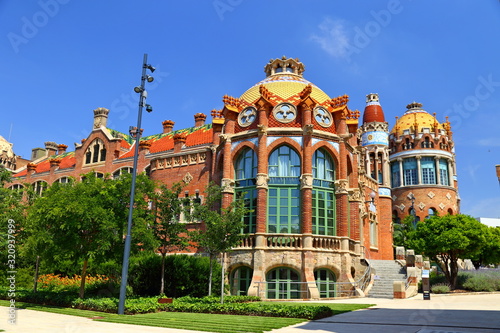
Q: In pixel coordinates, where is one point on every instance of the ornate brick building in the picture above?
(317, 182)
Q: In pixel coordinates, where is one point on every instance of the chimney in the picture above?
(100, 117)
(179, 141)
(51, 148)
(144, 145)
(168, 125)
(199, 119)
(61, 149)
(36, 153)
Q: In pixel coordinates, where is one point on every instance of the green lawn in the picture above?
(190, 321)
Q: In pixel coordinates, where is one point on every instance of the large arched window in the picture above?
(241, 278)
(323, 195)
(96, 152)
(39, 187)
(283, 283)
(246, 173)
(325, 281)
(283, 215)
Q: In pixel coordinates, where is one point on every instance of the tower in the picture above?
(423, 172)
(374, 133)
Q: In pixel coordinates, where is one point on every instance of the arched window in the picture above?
(431, 212)
(283, 215)
(16, 187)
(246, 173)
(410, 171)
(96, 152)
(241, 278)
(428, 167)
(39, 187)
(63, 180)
(122, 171)
(325, 281)
(323, 194)
(427, 143)
(283, 283)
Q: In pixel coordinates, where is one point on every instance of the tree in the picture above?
(169, 232)
(445, 239)
(222, 227)
(82, 221)
(403, 230)
(490, 253)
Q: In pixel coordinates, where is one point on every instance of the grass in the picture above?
(190, 321)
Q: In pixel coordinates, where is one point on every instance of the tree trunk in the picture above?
(37, 267)
(210, 277)
(222, 278)
(162, 283)
(84, 275)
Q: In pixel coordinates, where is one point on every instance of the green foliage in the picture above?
(170, 234)
(441, 288)
(445, 239)
(78, 222)
(184, 275)
(490, 253)
(483, 280)
(222, 225)
(403, 230)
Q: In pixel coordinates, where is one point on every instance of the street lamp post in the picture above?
(136, 132)
(412, 208)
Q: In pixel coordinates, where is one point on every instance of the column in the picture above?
(419, 170)
(438, 172)
(401, 179)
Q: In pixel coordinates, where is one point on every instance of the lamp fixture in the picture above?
(138, 89)
(149, 108)
(150, 78)
(151, 68)
(372, 196)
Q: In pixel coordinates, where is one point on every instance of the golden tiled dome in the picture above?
(416, 115)
(284, 86)
(284, 80)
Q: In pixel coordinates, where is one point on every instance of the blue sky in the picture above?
(63, 58)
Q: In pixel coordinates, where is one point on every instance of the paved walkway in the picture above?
(441, 314)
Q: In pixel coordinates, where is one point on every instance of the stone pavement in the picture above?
(442, 314)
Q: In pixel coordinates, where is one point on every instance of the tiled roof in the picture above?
(165, 141)
(285, 86)
(68, 160)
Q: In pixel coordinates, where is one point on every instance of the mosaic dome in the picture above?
(284, 79)
(415, 114)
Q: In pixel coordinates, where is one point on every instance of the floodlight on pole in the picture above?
(137, 131)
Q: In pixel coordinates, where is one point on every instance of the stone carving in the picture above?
(421, 206)
(168, 161)
(184, 160)
(341, 186)
(308, 129)
(401, 207)
(187, 178)
(431, 194)
(262, 180)
(193, 158)
(262, 129)
(227, 185)
(354, 194)
(306, 181)
(448, 196)
(442, 205)
(202, 157)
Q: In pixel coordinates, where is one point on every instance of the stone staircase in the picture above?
(386, 272)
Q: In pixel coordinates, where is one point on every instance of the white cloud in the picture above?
(490, 142)
(332, 38)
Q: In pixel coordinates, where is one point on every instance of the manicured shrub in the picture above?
(441, 288)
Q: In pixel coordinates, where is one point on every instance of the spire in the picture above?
(373, 110)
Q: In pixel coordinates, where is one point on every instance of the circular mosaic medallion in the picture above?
(247, 117)
(323, 117)
(285, 112)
